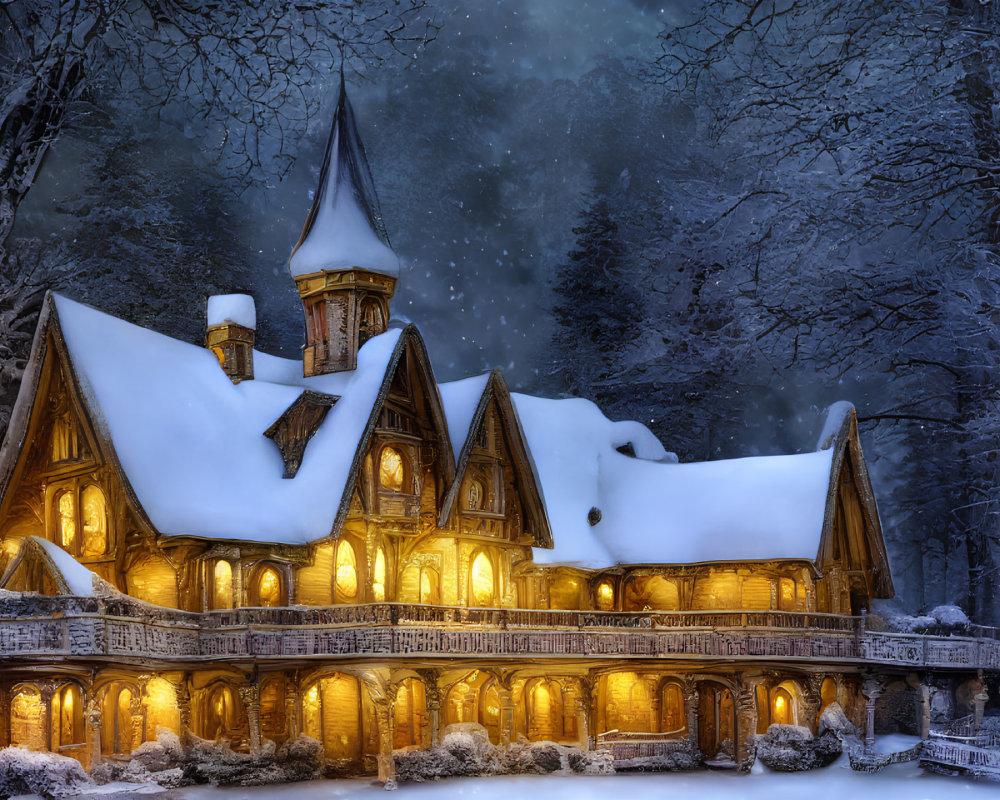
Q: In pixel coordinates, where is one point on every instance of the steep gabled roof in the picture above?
(344, 227)
(191, 445)
(466, 415)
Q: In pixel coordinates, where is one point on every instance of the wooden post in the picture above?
(871, 691)
(384, 707)
(4, 716)
(92, 722)
(184, 707)
(506, 717)
(250, 695)
(746, 723)
(293, 707)
(690, 689)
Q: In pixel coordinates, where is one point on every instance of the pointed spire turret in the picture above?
(343, 266)
(344, 227)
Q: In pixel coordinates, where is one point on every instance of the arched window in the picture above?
(269, 588)
(222, 715)
(66, 513)
(481, 581)
(782, 712)
(122, 736)
(95, 522)
(27, 725)
(64, 441)
(430, 583)
(67, 715)
(372, 320)
(476, 495)
(392, 469)
(346, 579)
(378, 579)
(222, 594)
(605, 596)
(786, 594)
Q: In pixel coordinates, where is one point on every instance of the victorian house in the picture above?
(232, 544)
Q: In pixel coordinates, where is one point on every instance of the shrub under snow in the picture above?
(466, 750)
(170, 763)
(45, 774)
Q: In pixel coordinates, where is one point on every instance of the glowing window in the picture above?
(95, 522)
(378, 584)
(605, 596)
(347, 570)
(390, 469)
(223, 594)
(269, 588)
(781, 708)
(482, 581)
(476, 495)
(67, 708)
(66, 509)
(786, 599)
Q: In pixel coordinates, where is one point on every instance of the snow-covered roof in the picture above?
(235, 308)
(78, 578)
(344, 227)
(654, 510)
(192, 443)
(461, 399)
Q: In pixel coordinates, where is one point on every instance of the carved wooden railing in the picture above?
(626, 745)
(121, 628)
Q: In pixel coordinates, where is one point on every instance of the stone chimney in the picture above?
(232, 322)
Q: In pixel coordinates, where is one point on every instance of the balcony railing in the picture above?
(35, 627)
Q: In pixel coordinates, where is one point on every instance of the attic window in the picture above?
(391, 469)
(627, 449)
(297, 425)
(594, 516)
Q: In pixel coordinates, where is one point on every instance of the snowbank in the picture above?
(45, 774)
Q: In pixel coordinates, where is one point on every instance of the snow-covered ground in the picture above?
(838, 782)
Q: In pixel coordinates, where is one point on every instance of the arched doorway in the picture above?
(67, 718)
(673, 716)
(482, 581)
(119, 735)
(782, 707)
(337, 712)
(223, 716)
(409, 715)
(544, 708)
(27, 728)
(716, 722)
(475, 698)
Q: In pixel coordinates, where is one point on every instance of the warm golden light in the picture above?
(161, 706)
(223, 596)
(269, 588)
(390, 469)
(476, 495)
(95, 526)
(378, 582)
(67, 520)
(605, 596)
(482, 581)
(781, 713)
(347, 570)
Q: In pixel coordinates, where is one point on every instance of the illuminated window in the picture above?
(476, 495)
(95, 522)
(64, 442)
(391, 472)
(378, 583)
(781, 708)
(67, 715)
(481, 580)
(222, 596)
(786, 594)
(66, 510)
(347, 571)
(372, 320)
(269, 588)
(605, 596)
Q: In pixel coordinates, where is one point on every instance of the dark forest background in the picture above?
(715, 217)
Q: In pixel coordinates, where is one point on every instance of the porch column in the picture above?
(690, 690)
(979, 703)
(92, 724)
(746, 722)
(384, 707)
(506, 717)
(871, 690)
(250, 695)
(923, 710)
(293, 707)
(184, 707)
(138, 712)
(582, 729)
(433, 695)
(4, 716)
(46, 692)
(812, 699)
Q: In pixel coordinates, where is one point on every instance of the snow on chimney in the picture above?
(232, 321)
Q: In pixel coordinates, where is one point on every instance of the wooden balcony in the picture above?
(47, 629)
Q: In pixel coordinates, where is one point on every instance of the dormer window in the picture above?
(95, 522)
(476, 496)
(65, 446)
(81, 521)
(391, 470)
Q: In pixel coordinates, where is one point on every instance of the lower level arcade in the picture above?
(361, 712)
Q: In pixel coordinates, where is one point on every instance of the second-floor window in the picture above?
(81, 519)
(391, 469)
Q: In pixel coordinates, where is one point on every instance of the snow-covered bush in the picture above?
(170, 763)
(466, 750)
(941, 620)
(792, 748)
(45, 774)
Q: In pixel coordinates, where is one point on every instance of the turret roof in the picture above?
(344, 227)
